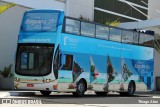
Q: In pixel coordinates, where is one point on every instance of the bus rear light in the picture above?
(55, 87)
(30, 85)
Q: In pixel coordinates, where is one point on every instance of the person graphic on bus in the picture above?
(77, 70)
(110, 70)
(126, 73)
(110, 73)
(93, 71)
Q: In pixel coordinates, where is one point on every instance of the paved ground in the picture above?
(89, 100)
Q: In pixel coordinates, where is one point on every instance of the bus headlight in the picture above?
(16, 79)
(48, 80)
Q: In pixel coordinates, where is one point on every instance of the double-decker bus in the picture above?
(63, 54)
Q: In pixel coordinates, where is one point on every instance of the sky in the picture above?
(39, 4)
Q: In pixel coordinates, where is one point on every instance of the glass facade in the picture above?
(135, 9)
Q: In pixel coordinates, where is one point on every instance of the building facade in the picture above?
(120, 10)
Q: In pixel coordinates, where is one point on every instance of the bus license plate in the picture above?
(30, 85)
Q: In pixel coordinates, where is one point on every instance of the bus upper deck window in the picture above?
(127, 36)
(149, 40)
(141, 39)
(115, 34)
(135, 37)
(87, 29)
(102, 32)
(72, 26)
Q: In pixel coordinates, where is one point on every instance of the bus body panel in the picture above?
(126, 63)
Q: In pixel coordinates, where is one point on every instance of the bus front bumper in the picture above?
(48, 86)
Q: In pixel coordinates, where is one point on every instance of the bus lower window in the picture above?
(27, 60)
(34, 59)
(68, 62)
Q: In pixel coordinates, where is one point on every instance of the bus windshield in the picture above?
(39, 22)
(34, 60)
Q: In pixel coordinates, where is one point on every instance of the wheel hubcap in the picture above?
(81, 87)
(131, 88)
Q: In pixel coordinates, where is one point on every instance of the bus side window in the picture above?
(102, 32)
(67, 62)
(149, 40)
(72, 26)
(141, 39)
(87, 29)
(135, 38)
(127, 36)
(115, 34)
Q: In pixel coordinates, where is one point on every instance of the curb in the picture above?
(149, 92)
(23, 93)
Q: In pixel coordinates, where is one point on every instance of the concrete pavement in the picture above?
(13, 94)
(6, 93)
(83, 105)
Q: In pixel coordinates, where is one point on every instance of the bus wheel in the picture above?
(131, 88)
(80, 90)
(101, 93)
(45, 93)
(123, 93)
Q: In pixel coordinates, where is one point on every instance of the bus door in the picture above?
(65, 78)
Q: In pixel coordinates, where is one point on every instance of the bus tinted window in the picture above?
(24, 59)
(87, 29)
(148, 41)
(72, 26)
(127, 36)
(135, 37)
(115, 34)
(34, 60)
(40, 22)
(68, 62)
(102, 32)
(27, 60)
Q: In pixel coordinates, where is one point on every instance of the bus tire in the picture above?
(45, 93)
(131, 90)
(80, 89)
(123, 93)
(101, 93)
